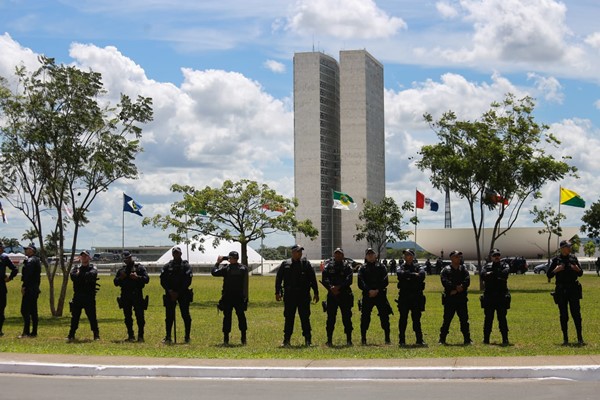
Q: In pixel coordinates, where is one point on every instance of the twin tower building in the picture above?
(339, 145)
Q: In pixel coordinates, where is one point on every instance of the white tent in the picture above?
(210, 254)
(18, 258)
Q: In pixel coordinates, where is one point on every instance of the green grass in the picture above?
(533, 322)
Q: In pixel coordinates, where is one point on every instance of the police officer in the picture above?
(30, 289)
(455, 280)
(411, 283)
(373, 281)
(295, 278)
(176, 278)
(337, 278)
(392, 266)
(5, 263)
(84, 277)
(566, 268)
(234, 295)
(496, 297)
(132, 277)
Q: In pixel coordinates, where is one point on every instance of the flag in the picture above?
(570, 198)
(131, 206)
(68, 211)
(273, 208)
(421, 201)
(433, 206)
(3, 215)
(492, 198)
(342, 201)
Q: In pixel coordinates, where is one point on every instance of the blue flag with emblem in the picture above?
(131, 205)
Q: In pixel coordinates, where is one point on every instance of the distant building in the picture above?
(140, 253)
(338, 144)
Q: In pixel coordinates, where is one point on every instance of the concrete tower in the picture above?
(317, 148)
(362, 140)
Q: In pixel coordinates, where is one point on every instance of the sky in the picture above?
(221, 77)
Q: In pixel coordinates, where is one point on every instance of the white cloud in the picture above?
(13, 54)
(343, 19)
(446, 10)
(593, 40)
(275, 66)
(549, 87)
(597, 104)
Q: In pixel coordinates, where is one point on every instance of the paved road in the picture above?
(23, 387)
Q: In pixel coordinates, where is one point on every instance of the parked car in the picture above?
(518, 264)
(541, 269)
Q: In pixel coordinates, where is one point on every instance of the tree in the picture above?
(10, 244)
(589, 249)
(496, 162)
(62, 145)
(382, 223)
(591, 220)
(551, 220)
(241, 211)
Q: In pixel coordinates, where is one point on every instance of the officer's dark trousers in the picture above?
(564, 305)
(412, 306)
(458, 307)
(382, 309)
(291, 303)
(184, 308)
(89, 306)
(500, 311)
(237, 304)
(2, 305)
(344, 302)
(29, 311)
(129, 307)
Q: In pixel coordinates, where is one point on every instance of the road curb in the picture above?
(578, 373)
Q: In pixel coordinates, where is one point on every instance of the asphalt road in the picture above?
(22, 387)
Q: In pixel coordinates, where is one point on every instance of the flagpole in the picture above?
(123, 226)
(416, 208)
(557, 236)
(332, 224)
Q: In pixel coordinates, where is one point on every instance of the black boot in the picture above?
(363, 338)
(329, 339)
(401, 340)
(486, 338)
(307, 341)
(505, 341)
(387, 337)
(420, 341)
(244, 338)
(225, 338)
(348, 339)
(286, 341)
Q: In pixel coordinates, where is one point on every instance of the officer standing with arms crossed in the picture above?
(84, 279)
(30, 289)
(176, 278)
(5, 263)
(411, 283)
(455, 280)
(496, 297)
(234, 294)
(132, 277)
(337, 278)
(293, 282)
(373, 281)
(566, 268)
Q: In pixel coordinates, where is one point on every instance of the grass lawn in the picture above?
(533, 323)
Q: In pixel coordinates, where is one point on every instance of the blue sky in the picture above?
(220, 74)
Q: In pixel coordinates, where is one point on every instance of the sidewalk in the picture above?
(585, 368)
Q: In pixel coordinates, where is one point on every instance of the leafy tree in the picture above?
(382, 223)
(551, 220)
(10, 244)
(496, 162)
(589, 249)
(61, 145)
(591, 221)
(237, 211)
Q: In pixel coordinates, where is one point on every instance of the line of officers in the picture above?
(293, 284)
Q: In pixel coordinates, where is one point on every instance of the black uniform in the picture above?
(339, 274)
(455, 303)
(132, 297)
(598, 266)
(30, 277)
(295, 279)
(84, 279)
(567, 293)
(495, 299)
(4, 264)
(411, 283)
(392, 266)
(374, 276)
(176, 278)
(233, 296)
